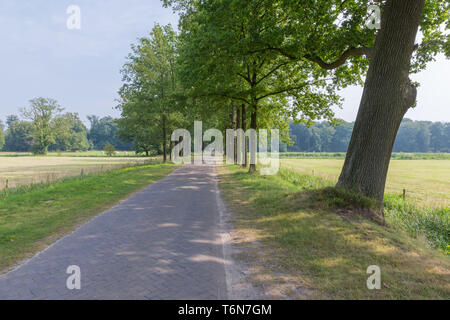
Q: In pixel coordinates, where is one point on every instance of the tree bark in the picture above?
(388, 94)
(253, 125)
(234, 124)
(164, 120)
(244, 128)
(238, 126)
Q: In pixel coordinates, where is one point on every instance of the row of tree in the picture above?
(44, 128)
(262, 63)
(70, 134)
(413, 136)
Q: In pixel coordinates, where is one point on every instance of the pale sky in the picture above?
(433, 95)
(40, 56)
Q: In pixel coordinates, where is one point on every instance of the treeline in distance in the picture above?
(413, 136)
(43, 127)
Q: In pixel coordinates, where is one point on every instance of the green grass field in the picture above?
(93, 153)
(341, 155)
(427, 182)
(26, 170)
(31, 219)
(289, 228)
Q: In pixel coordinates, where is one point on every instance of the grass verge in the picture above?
(31, 219)
(300, 236)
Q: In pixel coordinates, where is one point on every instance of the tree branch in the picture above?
(351, 52)
(225, 96)
(282, 90)
(271, 72)
(244, 77)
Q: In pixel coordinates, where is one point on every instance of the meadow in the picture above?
(427, 182)
(17, 170)
(341, 155)
(291, 226)
(77, 154)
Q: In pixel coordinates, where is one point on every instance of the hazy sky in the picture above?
(40, 56)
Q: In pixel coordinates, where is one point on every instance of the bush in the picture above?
(109, 149)
(419, 221)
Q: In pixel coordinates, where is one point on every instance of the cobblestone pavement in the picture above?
(162, 243)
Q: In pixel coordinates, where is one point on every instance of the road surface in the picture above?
(164, 242)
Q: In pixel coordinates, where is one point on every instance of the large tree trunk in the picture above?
(244, 128)
(253, 125)
(164, 129)
(388, 93)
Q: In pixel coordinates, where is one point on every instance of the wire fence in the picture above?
(51, 176)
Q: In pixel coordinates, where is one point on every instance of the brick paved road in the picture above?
(162, 243)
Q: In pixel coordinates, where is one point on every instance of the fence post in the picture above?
(404, 194)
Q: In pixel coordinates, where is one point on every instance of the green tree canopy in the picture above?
(148, 105)
(18, 135)
(42, 112)
(2, 135)
(70, 133)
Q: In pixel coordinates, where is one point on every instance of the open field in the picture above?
(427, 182)
(289, 231)
(92, 153)
(26, 170)
(31, 220)
(341, 155)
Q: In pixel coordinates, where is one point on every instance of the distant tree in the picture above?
(326, 133)
(42, 112)
(104, 130)
(341, 138)
(437, 138)
(423, 139)
(18, 135)
(135, 127)
(109, 149)
(11, 119)
(70, 133)
(406, 137)
(2, 134)
(413, 136)
(446, 138)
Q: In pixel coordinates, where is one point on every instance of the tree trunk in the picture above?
(234, 124)
(244, 128)
(164, 120)
(388, 94)
(238, 126)
(253, 125)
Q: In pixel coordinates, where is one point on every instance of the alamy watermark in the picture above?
(73, 282)
(235, 147)
(374, 21)
(74, 19)
(374, 281)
